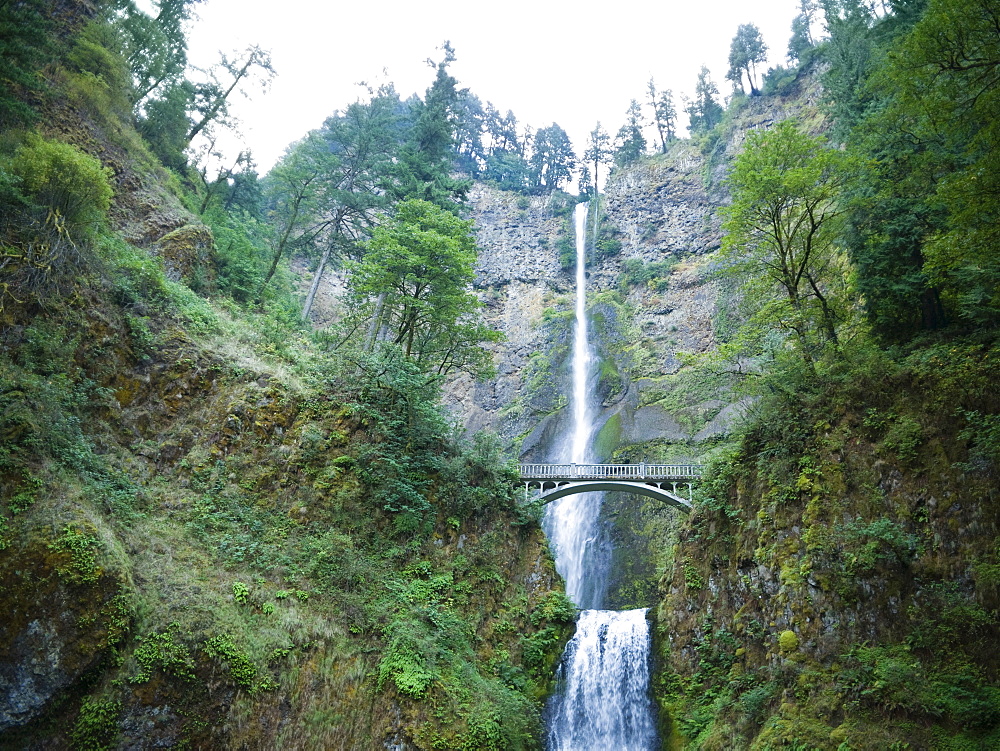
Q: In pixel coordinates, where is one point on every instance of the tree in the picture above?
(704, 111)
(745, 52)
(502, 131)
(325, 193)
(154, 47)
(212, 98)
(802, 39)
(426, 159)
(509, 171)
(664, 114)
(945, 74)
(890, 217)
(415, 278)
(631, 144)
(598, 151)
(585, 183)
(552, 159)
(781, 232)
(471, 125)
(292, 192)
(360, 155)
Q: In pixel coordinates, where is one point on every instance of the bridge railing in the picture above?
(610, 471)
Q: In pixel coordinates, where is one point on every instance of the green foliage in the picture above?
(636, 272)
(96, 726)
(410, 660)
(704, 111)
(598, 152)
(242, 669)
(778, 81)
(25, 46)
(745, 52)
(241, 593)
(630, 143)
(983, 433)
(781, 236)
(893, 678)
(425, 159)
(80, 551)
(414, 281)
(70, 184)
(552, 160)
(883, 541)
(164, 651)
(788, 641)
(94, 55)
(952, 52)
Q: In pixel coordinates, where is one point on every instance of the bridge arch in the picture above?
(670, 497)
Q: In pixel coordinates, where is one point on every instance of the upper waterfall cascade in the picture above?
(602, 701)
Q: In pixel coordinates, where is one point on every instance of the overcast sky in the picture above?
(548, 61)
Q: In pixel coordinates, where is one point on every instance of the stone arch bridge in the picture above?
(659, 481)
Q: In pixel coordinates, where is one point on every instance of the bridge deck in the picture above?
(632, 472)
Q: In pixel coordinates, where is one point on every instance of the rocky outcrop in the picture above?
(660, 207)
(68, 602)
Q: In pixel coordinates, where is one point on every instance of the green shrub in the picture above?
(869, 544)
(163, 651)
(241, 668)
(81, 549)
(637, 273)
(97, 725)
(241, 593)
(70, 184)
(788, 641)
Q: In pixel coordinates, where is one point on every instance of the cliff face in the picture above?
(663, 218)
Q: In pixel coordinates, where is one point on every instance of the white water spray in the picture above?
(581, 547)
(603, 700)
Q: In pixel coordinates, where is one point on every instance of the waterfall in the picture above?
(582, 548)
(602, 701)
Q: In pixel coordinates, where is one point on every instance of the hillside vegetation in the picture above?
(836, 586)
(220, 529)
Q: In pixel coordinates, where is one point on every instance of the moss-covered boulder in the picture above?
(67, 603)
(186, 252)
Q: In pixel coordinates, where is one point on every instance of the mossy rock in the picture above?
(186, 252)
(788, 641)
(68, 602)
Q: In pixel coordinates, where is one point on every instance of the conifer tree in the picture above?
(704, 111)
(631, 144)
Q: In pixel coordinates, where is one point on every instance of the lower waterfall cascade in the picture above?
(602, 699)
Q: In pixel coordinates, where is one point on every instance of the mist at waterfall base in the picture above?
(602, 699)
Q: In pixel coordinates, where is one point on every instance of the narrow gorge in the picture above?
(235, 514)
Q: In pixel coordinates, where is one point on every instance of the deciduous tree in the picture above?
(781, 232)
(415, 276)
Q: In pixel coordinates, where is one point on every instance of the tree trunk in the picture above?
(315, 283)
(373, 330)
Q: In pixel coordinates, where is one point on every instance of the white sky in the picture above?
(547, 60)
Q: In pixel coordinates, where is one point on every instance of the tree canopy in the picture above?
(746, 51)
(781, 234)
(704, 111)
(414, 284)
